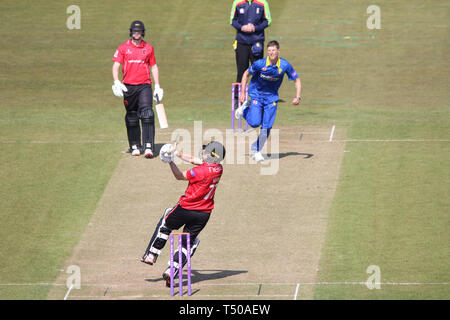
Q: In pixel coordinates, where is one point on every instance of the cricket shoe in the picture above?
(135, 151)
(258, 157)
(166, 275)
(148, 151)
(240, 110)
(148, 258)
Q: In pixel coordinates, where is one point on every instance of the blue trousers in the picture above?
(261, 112)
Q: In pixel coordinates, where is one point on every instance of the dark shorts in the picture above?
(193, 221)
(138, 98)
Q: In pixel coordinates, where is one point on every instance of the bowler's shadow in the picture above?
(204, 275)
(287, 154)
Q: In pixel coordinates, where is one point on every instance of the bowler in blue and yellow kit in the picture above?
(267, 76)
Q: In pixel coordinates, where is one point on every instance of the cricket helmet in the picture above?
(214, 151)
(137, 26)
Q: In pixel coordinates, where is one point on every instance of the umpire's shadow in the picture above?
(205, 275)
(287, 154)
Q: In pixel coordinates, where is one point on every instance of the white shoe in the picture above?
(148, 258)
(135, 151)
(148, 151)
(240, 110)
(258, 157)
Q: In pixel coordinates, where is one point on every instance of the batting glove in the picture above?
(118, 88)
(158, 92)
(166, 153)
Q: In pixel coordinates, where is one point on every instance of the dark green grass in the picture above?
(392, 83)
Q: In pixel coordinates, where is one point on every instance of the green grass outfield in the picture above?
(62, 129)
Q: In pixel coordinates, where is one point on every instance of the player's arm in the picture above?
(233, 16)
(158, 90)
(243, 84)
(118, 87)
(298, 89)
(267, 18)
(115, 70)
(189, 158)
(177, 173)
(155, 74)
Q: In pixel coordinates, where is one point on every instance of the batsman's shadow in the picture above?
(205, 275)
(158, 147)
(287, 154)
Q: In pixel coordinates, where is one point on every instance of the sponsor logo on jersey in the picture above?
(268, 78)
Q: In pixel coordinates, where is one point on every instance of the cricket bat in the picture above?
(162, 118)
(175, 143)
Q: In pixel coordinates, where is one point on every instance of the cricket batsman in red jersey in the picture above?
(138, 59)
(194, 208)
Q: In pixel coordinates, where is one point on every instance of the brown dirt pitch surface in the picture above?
(263, 240)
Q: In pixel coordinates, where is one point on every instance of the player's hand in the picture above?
(296, 101)
(158, 92)
(118, 88)
(166, 153)
(251, 27)
(247, 28)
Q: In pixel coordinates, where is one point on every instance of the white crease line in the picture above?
(296, 291)
(331, 139)
(30, 284)
(62, 142)
(324, 283)
(396, 140)
(242, 284)
(68, 292)
(381, 283)
(251, 284)
(377, 140)
(332, 133)
(197, 295)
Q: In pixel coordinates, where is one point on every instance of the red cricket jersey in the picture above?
(136, 61)
(203, 181)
